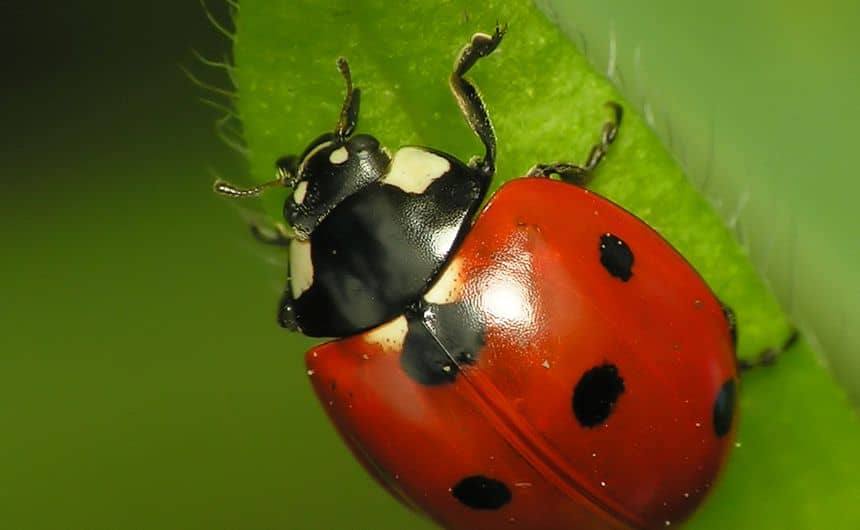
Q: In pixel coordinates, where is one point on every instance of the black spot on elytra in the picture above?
(595, 395)
(724, 408)
(616, 257)
(440, 338)
(482, 493)
(732, 322)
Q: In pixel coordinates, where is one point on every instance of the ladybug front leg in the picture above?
(470, 101)
(580, 174)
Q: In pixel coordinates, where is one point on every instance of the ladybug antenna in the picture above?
(222, 187)
(349, 112)
(286, 177)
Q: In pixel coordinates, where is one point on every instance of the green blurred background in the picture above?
(143, 382)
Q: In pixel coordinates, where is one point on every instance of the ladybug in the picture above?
(546, 362)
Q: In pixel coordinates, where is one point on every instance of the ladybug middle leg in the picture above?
(580, 174)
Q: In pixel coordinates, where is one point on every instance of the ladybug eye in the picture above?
(286, 169)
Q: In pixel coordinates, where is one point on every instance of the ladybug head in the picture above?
(333, 167)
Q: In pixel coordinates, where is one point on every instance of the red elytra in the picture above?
(595, 402)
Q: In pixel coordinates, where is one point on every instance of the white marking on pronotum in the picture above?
(300, 192)
(338, 156)
(447, 288)
(413, 169)
(389, 336)
(301, 267)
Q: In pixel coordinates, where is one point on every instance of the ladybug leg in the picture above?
(568, 172)
(468, 99)
(580, 174)
(732, 324)
(769, 356)
(349, 112)
(280, 236)
(607, 136)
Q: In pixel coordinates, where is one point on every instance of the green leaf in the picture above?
(797, 463)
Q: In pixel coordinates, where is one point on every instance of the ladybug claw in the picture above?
(769, 356)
